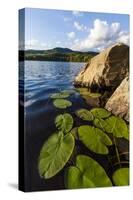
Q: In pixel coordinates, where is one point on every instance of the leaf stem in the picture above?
(117, 153)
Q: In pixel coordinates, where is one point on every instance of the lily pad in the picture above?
(102, 124)
(84, 114)
(69, 91)
(84, 92)
(121, 177)
(60, 95)
(94, 139)
(117, 127)
(62, 103)
(64, 122)
(55, 153)
(86, 174)
(74, 132)
(100, 113)
(94, 95)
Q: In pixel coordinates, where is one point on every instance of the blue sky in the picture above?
(46, 29)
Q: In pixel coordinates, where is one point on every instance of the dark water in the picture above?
(41, 80)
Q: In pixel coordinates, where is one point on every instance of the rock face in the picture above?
(107, 69)
(118, 103)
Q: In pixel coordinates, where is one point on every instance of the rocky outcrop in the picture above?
(118, 103)
(107, 69)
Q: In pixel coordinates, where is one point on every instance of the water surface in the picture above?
(41, 80)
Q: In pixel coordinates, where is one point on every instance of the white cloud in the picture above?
(102, 35)
(77, 13)
(123, 37)
(36, 44)
(79, 27)
(71, 35)
(76, 40)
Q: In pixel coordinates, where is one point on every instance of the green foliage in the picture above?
(74, 132)
(84, 114)
(114, 125)
(100, 113)
(85, 93)
(54, 154)
(117, 127)
(57, 150)
(87, 173)
(60, 95)
(62, 103)
(94, 139)
(102, 124)
(64, 122)
(58, 54)
(121, 177)
(95, 95)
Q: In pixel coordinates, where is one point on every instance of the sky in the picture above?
(82, 31)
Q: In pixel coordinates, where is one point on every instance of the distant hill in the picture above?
(56, 54)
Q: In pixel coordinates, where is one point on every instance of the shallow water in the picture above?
(41, 79)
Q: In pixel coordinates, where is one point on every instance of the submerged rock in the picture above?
(107, 69)
(118, 103)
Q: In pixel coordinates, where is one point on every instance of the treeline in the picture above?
(68, 57)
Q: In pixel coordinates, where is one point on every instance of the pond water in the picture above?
(41, 80)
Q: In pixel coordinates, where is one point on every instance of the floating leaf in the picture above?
(121, 177)
(94, 139)
(84, 114)
(117, 127)
(64, 122)
(86, 93)
(69, 91)
(100, 113)
(94, 95)
(82, 90)
(87, 173)
(102, 124)
(54, 154)
(60, 95)
(74, 132)
(62, 103)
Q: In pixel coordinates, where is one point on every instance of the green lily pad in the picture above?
(117, 127)
(86, 174)
(86, 93)
(121, 177)
(94, 95)
(69, 91)
(100, 113)
(84, 114)
(94, 139)
(54, 154)
(74, 132)
(64, 122)
(60, 95)
(83, 90)
(102, 124)
(62, 103)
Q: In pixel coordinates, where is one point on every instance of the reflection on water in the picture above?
(44, 78)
